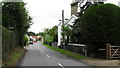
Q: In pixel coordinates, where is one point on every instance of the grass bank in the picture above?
(68, 53)
(14, 57)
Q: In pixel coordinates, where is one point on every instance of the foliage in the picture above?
(75, 36)
(66, 32)
(100, 25)
(48, 39)
(42, 34)
(31, 34)
(26, 40)
(68, 53)
(50, 35)
(8, 42)
(14, 57)
(15, 18)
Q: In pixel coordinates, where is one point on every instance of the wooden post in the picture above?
(108, 51)
(109, 46)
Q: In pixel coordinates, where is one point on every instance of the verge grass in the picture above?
(14, 57)
(68, 53)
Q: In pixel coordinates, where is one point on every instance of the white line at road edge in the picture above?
(48, 56)
(60, 65)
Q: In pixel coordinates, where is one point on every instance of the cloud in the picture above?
(46, 13)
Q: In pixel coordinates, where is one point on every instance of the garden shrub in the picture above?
(100, 25)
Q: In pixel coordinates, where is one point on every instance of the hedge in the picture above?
(100, 25)
(9, 42)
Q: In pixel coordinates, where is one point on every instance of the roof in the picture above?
(73, 16)
(35, 36)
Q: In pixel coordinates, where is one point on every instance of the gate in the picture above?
(112, 52)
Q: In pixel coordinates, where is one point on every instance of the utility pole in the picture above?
(63, 28)
(63, 17)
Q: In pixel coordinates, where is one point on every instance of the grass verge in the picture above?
(14, 57)
(68, 53)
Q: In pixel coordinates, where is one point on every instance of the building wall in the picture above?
(70, 21)
(74, 8)
(119, 3)
(59, 33)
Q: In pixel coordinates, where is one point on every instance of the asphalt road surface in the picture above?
(39, 55)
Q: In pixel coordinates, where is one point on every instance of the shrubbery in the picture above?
(100, 25)
(50, 35)
(26, 40)
(8, 42)
(48, 39)
(15, 17)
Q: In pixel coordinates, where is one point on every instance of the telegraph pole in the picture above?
(63, 28)
(63, 16)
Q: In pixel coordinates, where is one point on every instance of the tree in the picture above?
(15, 18)
(50, 35)
(100, 25)
(31, 33)
(76, 36)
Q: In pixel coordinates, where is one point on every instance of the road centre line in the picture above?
(48, 56)
(41, 50)
(60, 65)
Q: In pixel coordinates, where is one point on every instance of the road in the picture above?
(39, 55)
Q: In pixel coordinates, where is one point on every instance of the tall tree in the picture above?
(16, 18)
(100, 25)
(76, 36)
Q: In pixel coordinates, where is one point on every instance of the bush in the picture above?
(26, 40)
(48, 39)
(99, 25)
(9, 42)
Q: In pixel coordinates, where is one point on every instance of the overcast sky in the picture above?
(46, 13)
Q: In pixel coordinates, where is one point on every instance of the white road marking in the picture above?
(48, 56)
(60, 65)
(42, 51)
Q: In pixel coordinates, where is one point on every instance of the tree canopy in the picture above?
(50, 35)
(100, 25)
(16, 18)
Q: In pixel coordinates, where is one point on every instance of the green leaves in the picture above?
(50, 35)
(16, 18)
(99, 25)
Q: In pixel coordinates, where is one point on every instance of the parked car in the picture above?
(35, 41)
(31, 41)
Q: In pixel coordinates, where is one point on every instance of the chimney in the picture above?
(119, 3)
(74, 8)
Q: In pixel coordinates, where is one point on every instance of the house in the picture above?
(119, 3)
(71, 22)
(74, 10)
(34, 38)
